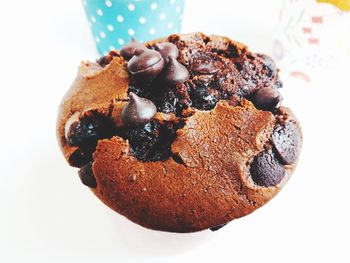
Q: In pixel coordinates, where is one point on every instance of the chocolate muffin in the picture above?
(180, 134)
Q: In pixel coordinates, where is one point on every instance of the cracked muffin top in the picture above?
(180, 134)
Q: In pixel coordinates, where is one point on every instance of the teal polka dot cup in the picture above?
(114, 22)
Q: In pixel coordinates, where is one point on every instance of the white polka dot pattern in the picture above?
(131, 32)
(131, 7)
(162, 16)
(120, 18)
(152, 31)
(113, 22)
(142, 20)
(99, 12)
(154, 6)
(110, 28)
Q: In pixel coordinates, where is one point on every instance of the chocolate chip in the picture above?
(266, 98)
(175, 72)
(266, 170)
(204, 67)
(138, 110)
(129, 49)
(87, 176)
(167, 49)
(146, 63)
(216, 228)
(287, 140)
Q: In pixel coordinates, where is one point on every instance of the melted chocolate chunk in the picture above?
(287, 141)
(85, 134)
(168, 101)
(167, 49)
(202, 98)
(266, 98)
(175, 72)
(128, 51)
(88, 130)
(146, 63)
(87, 176)
(266, 170)
(152, 141)
(138, 110)
(79, 158)
(149, 142)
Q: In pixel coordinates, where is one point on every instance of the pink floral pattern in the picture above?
(308, 37)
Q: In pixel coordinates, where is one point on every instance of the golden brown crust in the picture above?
(94, 88)
(209, 188)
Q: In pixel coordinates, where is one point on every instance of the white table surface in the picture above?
(47, 215)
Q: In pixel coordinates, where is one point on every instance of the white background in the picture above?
(47, 215)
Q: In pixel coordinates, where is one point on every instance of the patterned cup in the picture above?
(114, 22)
(313, 37)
